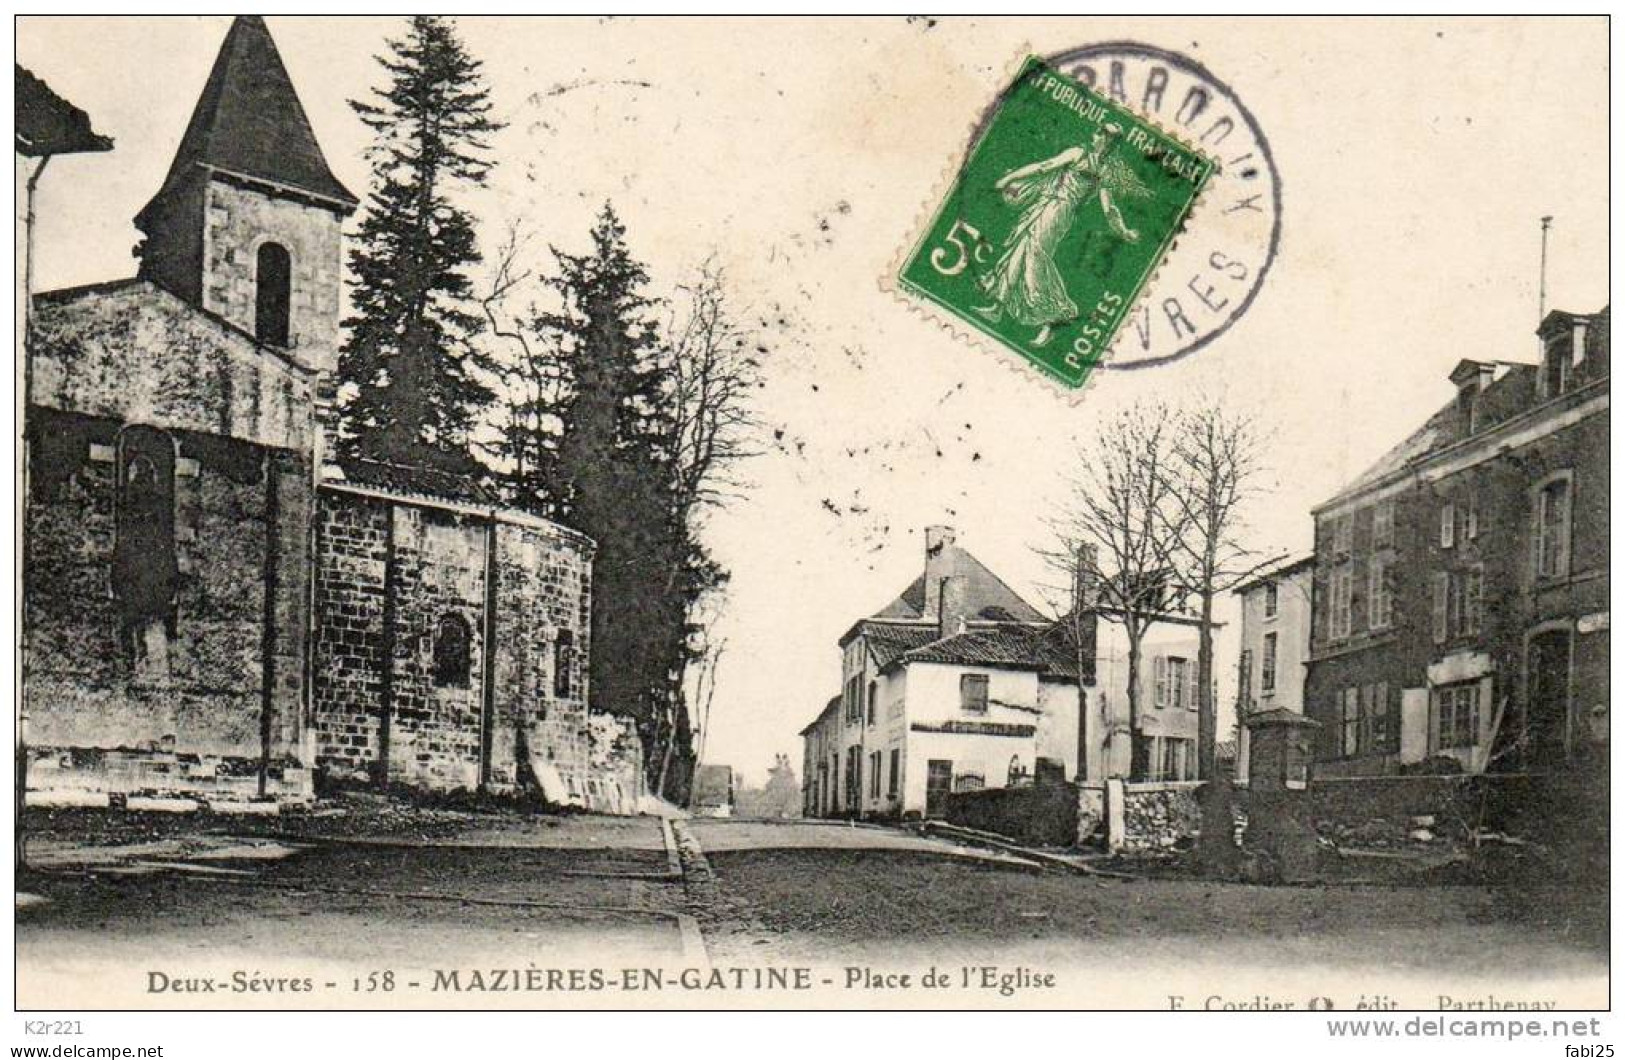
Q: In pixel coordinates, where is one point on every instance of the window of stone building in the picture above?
(973, 693)
(145, 575)
(1343, 534)
(273, 277)
(1458, 603)
(1266, 680)
(1380, 593)
(1551, 529)
(1378, 717)
(874, 774)
(896, 773)
(452, 652)
(874, 697)
(1272, 599)
(1382, 524)
(1456, 707)
(1447, 526)
(1351, 722)
(564, 658)
(1341, 619)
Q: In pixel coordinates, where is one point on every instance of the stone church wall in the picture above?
(100, 721)
(391, 573)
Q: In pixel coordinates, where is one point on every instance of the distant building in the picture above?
(714, 792)
(1276, 609)
(1461, 584)
(960, 684)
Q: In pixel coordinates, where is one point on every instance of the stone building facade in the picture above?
(170, 485)
(451, 641)
(212, 605)
(1461, 584)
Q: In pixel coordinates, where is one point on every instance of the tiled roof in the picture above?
(1287, 566)
(1021, 647)
(889, 640)
(829, 708)
(411, 480)
(47, 124)
(249, 121)
(986, 595)
(1512, 392)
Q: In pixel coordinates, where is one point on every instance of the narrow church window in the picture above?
(564, 653)
(272, 278)
(451, 652)
(146, 571)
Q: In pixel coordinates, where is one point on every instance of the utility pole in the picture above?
(1545, 230)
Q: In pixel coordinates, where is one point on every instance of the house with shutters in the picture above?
(1276, 607)
(960, 684)
(1460, 618)
(215, 606)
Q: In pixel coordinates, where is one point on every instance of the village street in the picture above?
(456, 910)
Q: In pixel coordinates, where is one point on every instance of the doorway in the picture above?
(939, 780)
(1547, 699)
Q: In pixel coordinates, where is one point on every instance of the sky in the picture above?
(1415, 156)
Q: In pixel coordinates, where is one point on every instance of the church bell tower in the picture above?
(247, 225)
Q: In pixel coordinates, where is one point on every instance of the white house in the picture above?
(1275, 614)
(960, 684)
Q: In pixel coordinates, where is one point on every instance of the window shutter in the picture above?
(1191, 681)
(1564, 522)
(1447, 526)
(1441, 605)
(1159, 670)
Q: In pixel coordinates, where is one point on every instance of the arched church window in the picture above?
(564, 654)
(273, 273)
(146, 570)
(452, 652)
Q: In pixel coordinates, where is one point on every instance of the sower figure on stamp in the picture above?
(1025, 282)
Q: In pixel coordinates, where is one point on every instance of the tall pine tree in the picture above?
(410, 375)
(611, 477)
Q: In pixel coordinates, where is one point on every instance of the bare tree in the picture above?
(1116, 540)
(1213, 474)
(534, 377)
(1213, 470)
(715, 371)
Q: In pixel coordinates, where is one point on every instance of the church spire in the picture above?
(249, 124)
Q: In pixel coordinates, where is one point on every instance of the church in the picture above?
(217, 608)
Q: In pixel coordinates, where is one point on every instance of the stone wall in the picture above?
(135, 353)
(229, 701)
(1389, 812)
(1158, 816)
(238, 220)
(390, 572)
(349, 650)
(1045, 814)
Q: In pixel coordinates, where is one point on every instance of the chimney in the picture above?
(1563, 346)
(1085, 574)
(939, 564)
(951, 614)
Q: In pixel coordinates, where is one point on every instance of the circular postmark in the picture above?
(1211, 276)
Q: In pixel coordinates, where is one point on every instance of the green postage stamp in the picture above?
(1060, 215)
